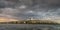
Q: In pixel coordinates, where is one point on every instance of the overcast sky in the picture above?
(30, 8)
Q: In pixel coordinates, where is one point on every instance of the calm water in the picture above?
(28, 27)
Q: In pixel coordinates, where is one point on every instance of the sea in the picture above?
(29, 27)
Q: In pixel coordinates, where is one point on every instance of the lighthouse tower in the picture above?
(30, 18)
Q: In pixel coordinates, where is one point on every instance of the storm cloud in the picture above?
(39, 9)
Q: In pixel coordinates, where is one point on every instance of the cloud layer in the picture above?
(30, 8)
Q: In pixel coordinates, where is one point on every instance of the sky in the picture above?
(22, 9)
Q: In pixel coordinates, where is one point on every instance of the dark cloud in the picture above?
(30, 8)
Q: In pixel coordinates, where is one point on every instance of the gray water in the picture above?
(28, 27)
